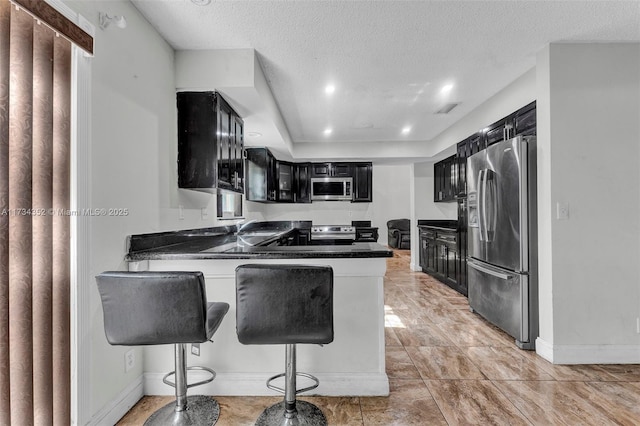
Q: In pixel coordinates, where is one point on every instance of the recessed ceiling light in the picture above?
(329, 89)
(254, 134)
(446, 88)
(201, 2)
(406, 130)
(327, 131)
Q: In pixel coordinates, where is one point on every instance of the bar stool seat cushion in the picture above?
(284, 304)
(215, 313)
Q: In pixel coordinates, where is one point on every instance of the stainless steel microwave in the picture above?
(332, 189)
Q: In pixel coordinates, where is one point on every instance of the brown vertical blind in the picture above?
(35, 105)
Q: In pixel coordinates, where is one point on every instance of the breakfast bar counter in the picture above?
(353, 364)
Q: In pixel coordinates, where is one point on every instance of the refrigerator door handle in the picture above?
(482, 205)
(479, 204)
(489, 271)
(489, 204)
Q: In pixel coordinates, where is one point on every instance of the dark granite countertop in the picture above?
(248, 241)
(448, 225)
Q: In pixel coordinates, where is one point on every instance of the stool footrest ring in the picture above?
(281, 390)
(190, 385)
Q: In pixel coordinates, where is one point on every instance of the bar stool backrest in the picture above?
(153, 308)
(284, 304)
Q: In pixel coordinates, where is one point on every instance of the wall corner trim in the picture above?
(120, 405)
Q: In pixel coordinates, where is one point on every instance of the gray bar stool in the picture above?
(157, 308)
(286, 305)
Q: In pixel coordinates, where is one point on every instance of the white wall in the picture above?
(391, 200)
(589, 123)
(133, 136)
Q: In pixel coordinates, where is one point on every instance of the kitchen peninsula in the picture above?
(353, 364)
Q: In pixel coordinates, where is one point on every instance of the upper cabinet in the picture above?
(445, 180)
(285, 174)
(210, 143)
(522, 122)
(332, 170)
(362, 182)
(302, 182)
(271, 180)
(261, 169)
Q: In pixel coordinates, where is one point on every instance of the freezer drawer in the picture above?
(501, 297)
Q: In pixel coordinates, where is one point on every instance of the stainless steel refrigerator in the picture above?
(502, 237)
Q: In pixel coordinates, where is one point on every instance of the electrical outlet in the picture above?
(129, 360)
(204, 213)
(638, 325)
(562, 211)
(195, 349)
(180, 213)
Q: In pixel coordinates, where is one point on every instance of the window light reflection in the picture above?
(391, 320)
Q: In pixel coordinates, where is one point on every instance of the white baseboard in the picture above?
(120, 405)
(251, 384)
(415, 267)
(588, 354)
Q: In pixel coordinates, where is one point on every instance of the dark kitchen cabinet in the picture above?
(302, 182)
(462, 152)
(447, 256)
(525, 121)
(440, 256)
(366, 234)
(303, 237)
(522, 122)
(444, 180)
(236, 157)
(362, 182)
(332, 169)
(465, 149)
(285, 176)
(272, 180)
(210, 143)
(261, 171)
(499, 131)
(476, 143)
(428, 250)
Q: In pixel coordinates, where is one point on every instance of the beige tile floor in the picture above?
(447, 366)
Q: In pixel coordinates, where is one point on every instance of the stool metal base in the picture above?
(308, 415)
(201, 410)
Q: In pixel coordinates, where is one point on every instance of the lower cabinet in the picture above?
(366, 234)
(439, 256)
(428, 251)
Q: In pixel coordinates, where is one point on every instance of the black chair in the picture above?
(157, 308)
(399, 233)
(286, 305)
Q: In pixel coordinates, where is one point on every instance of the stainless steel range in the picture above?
(333, 234)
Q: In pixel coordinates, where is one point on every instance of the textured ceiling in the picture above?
(388, 60)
